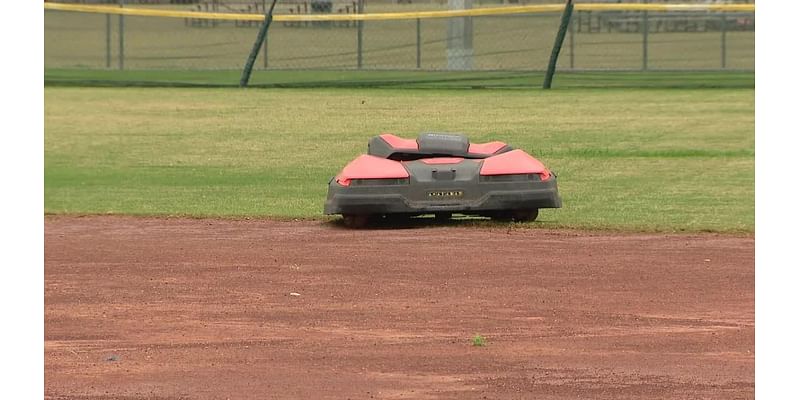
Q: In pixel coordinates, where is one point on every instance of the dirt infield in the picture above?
(143, 308)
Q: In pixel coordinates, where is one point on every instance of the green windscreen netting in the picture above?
(602, 47)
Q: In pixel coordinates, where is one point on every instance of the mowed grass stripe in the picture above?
(646, 159)
(606, 153)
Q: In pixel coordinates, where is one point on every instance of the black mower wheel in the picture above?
(442, 216)
(398, 218)
(526, 215)
(517, 215)
(356, 221)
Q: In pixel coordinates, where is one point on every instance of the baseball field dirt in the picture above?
(174, 308)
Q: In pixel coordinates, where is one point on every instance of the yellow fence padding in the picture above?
(475, 12)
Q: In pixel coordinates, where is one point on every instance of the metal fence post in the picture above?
(108, 40)
(262, 35)
(572, 44)
(360, 43)
(215, 8)
(419, 44)
(460, 48)
(724, 40)
(645, 31)
(121, 37)
(266, 39)
(562, 32)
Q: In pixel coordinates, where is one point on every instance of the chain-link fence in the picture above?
(596, 40)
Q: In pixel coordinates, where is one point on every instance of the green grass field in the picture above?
(678, 159)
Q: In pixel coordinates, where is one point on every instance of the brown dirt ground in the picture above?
(155, 308)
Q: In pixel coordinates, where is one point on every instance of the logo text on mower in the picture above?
(440, 194)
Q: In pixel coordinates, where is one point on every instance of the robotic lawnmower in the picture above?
(440, 174)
